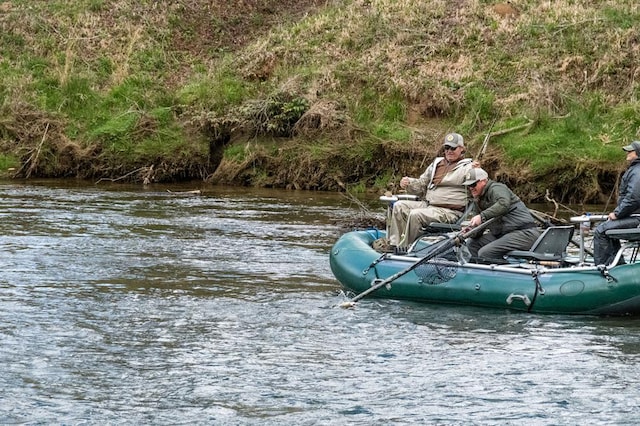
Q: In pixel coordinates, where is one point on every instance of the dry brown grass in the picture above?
(535, 57)
(41, 143)
(426, 48)
(322, 117)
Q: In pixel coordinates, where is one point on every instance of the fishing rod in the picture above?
(485, 142)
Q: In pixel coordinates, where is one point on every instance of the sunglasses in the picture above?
(473, 185)
(450, 148)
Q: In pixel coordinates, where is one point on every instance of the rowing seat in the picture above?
(629, 234)
(551, 246)
(632, 238)
(439, 229)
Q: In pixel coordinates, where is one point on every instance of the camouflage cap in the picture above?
(454, 140)
(474, 175)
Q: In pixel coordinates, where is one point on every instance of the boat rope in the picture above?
(382, 257)
(539, 289)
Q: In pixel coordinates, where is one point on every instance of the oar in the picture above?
(438, 248)
(545, 219)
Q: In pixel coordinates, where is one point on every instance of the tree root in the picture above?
(138, 170)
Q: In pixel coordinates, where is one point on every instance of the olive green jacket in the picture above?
(497, 200)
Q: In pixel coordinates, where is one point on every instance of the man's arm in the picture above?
(419, 186)
(631, 201)
(500, 198)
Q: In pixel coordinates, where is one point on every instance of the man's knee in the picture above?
(599, 230)
(416, 217)
(397, 208)
(402, 209)
(484, 252)
(416, 214)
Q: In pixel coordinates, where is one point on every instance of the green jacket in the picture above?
(497, 200)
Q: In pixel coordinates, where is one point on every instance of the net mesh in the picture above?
(438, 270)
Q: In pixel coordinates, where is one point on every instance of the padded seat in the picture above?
(435, 229)
(630, 238)
(551, 245)
(629, 234)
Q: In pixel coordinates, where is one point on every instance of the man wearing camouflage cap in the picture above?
(442, 196)
(514, 227)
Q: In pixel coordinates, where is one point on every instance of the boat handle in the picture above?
(523, 297)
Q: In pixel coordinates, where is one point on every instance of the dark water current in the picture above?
(123, 305)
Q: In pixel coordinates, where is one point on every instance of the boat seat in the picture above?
(551, 245)
(629, 234)
(438, 229)
(441, 228)
(632, 238)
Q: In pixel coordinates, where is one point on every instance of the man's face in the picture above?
(452, 153)
(631, 155)
(476, 188)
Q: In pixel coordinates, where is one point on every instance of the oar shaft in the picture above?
(446, 245)
(449, 244)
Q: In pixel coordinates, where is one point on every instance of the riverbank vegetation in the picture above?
(318, 94)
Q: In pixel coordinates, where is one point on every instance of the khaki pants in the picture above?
(409, 217)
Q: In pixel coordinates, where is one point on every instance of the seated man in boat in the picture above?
(442, 197)
(627, 212)
(515, 228)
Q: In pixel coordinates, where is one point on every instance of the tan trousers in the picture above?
(409, 217)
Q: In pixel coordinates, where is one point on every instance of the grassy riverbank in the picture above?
(319, 94)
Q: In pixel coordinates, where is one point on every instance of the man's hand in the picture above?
(612, 216)
(475, 221)
(404, 182)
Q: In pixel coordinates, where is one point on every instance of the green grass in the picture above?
(132, 86)
(235, 153)
(590, 135)
(216, 92)
(388, 130)
(7, 162)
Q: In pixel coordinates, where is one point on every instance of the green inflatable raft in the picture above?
(536, 282)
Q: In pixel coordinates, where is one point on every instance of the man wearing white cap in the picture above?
(442, 196)
(514, 228)
(627, 212)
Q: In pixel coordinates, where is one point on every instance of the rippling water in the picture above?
(120, 305)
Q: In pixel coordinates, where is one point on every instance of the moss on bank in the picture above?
(319, 94)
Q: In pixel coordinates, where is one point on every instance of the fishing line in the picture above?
(613, 190)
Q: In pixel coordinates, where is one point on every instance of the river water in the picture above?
(126, 305)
